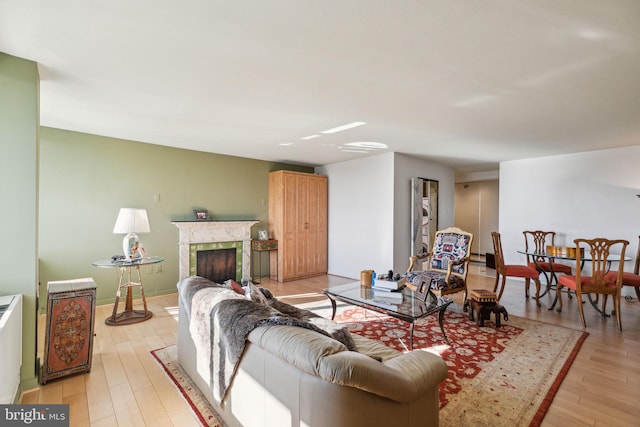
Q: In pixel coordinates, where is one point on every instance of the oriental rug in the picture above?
(504, 376)
(167, 357)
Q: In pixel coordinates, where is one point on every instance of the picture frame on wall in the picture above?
(201, 214)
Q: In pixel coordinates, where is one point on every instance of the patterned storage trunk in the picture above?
(71, 308)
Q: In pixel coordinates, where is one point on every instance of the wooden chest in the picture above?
(71, 308)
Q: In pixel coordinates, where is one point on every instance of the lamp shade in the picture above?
(132, 220)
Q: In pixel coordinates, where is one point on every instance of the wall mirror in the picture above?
(424, 214)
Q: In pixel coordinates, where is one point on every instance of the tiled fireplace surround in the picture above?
(192, 234)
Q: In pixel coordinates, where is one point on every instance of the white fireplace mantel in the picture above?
(192, 232)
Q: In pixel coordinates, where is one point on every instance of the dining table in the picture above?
(537, 256)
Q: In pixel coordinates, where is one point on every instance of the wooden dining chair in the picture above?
(599, 250)
(539, 241)
(513, 270)
(628, 278)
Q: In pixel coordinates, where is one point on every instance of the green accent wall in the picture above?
(62, 190)
(86, 179)
(19, 194)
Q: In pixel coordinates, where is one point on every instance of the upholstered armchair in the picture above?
(447, 263)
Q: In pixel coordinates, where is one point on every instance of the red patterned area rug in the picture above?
(503, 376)
(167, 357)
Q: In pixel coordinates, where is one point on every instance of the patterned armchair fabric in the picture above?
(438, 280)
(448, 262)
(448, 248)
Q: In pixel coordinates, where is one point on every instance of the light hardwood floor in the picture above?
(126, 387)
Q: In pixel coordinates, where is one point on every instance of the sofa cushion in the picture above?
(374, 349)
(400, 376)
(297, 346)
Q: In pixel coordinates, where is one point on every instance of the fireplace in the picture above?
(216, 261)
(217, 250)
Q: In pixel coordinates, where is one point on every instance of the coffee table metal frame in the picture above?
(409, 310)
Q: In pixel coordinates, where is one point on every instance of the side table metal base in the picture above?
(128, 317)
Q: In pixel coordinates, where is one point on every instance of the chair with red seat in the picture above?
(548, 267)
(628, 278)
(598, 282)
(513, 270)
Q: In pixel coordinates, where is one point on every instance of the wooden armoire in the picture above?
(298, 221)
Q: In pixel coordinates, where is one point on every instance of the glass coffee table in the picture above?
(404, 307)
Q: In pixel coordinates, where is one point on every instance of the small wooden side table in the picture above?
(482, 303)
(129, 315)
(484, 310)
(71, 312)
(262, 246)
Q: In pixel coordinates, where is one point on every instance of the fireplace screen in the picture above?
(217, 265)
(216, 261)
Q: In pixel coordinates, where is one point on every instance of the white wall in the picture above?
(360, 215)
(369, 211)
(405, 168)
(583, 195)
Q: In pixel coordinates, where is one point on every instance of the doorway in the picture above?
(476, 207)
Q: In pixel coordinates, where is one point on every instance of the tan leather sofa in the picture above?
(291, 376)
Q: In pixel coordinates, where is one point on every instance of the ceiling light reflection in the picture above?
(368, 144)
(590, 34)
(353, 150)
(344, 127)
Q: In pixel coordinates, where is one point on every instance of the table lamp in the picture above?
(130, 222)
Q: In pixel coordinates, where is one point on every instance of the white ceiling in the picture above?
(464, 82)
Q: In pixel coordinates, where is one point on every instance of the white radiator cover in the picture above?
(10, 347)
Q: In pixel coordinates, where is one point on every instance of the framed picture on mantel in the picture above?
(201, 214)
